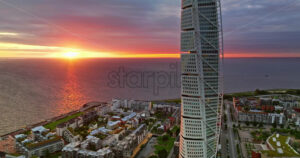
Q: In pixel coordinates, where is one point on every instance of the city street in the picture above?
(228, 149)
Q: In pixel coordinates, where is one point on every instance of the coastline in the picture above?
(226, 96)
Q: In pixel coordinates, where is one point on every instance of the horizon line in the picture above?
(166, 57)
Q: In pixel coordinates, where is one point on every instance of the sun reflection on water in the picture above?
(73, 98)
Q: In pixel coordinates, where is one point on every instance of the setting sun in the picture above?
(71, 55)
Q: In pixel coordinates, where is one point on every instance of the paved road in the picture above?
(230, 133)
(224, 146)
(149, 149)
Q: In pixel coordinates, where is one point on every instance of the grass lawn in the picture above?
(52, 125)
(287, 151)
(263, 92)
(161, 144)
(15, 154)
(174, 129)
(177, 101)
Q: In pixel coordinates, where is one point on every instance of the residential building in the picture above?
(73, 123)
(70, 136)
(296, 116)
(112, 124)
(259, 110)
(89, 116)
(168, 123)
(129, 117)
(201, 95)
(255, 154)
(7, 144)
(134, 105)
(110, 140)
(77, 150)
(40, 148)
(39, 133)
(164, 107)
(103, 109)
(140, 133)
(125, 147)
(261, 117)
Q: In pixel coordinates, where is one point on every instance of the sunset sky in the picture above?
(141, 28)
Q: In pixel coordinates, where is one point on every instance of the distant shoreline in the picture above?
(176, 100)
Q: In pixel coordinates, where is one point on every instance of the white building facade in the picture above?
(201, 38)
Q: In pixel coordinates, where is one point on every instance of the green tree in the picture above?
(47, 153)
(274, 125)
(261, 125)
(177, 131)
(247, 123)
(260, 92)
(162, 153)
(254, 124)
(165, 137)
(169, 132)
(296, 145)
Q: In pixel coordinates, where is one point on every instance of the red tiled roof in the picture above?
(297, 109)
(171, 118)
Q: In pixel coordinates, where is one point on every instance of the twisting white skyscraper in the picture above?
(201, 90)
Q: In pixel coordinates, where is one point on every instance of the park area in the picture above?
(280, 147)
(52, 125)
(164, 145)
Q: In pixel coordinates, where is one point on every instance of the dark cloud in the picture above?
(147, 25)
(262, 26)
(117, 25)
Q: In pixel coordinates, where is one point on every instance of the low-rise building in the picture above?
(261, 117)
(90, 148)
(296, 116)
(140, 133)
(129, 117)
(134, 105)
(39, 133)
(70, 136)
(125, 147)
(110, 140)
(165, 107)
(103, 109)
(111, 125)
(255, 154)
(251, 110)
(7, 144)
(73, 123)
(41, 148)
(89, 116)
